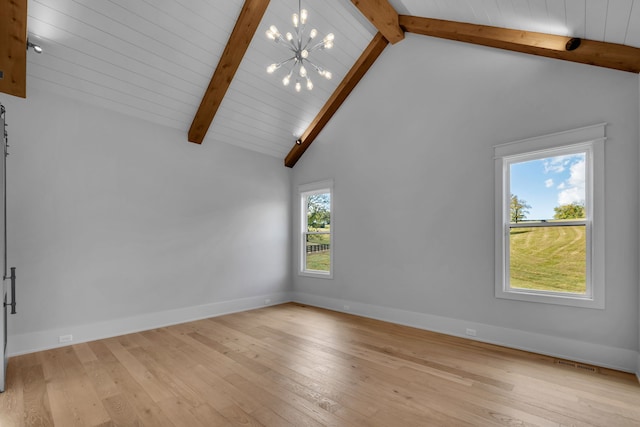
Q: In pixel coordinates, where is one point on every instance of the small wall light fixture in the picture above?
(36, 48)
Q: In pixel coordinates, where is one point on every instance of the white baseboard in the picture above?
(578, 351)
(45, 340)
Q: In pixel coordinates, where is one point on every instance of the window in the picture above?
(316, 254)
(549, 218)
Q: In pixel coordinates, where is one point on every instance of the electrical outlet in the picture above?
(347, 308)
(65, 338)
(267, 301)
(471, 332)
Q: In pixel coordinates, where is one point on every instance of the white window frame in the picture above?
(589, 140)
(305, 191)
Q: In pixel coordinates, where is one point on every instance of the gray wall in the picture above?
(111, 217)
(411, 155)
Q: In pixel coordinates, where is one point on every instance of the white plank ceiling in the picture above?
(153, 59)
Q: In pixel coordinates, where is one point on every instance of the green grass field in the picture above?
(549, 258)
(319, 260)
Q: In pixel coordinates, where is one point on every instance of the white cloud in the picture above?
(573, 190)
(557, 164)
(548, 183)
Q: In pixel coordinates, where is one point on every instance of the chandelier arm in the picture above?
(317, 68)
(285, 62)
(307, 45)
(302, 27)
(292, 47)
(317, 46)
(287, 43)
(280, 39)
(290, 73)
(320, 70)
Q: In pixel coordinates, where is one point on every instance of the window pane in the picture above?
(319, 212)
(548, 258)
(551, 188)
(318, 254)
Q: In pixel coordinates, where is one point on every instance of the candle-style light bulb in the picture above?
(328, 41)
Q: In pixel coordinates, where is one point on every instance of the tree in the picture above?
(573, 210)
(519, 209)
(318, 210)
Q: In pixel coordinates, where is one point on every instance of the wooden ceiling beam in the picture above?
(245, 27)
(608, 55)
(13, 47)
(351, 80)
(383, 16)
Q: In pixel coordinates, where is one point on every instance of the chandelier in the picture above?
(301, 46)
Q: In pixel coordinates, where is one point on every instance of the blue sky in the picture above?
(549, 182)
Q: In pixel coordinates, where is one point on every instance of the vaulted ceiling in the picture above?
(154, 59)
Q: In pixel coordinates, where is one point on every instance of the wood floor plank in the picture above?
(121, 412)
(101, 380)
(80, 391)
(151, 385)
(179, 412)
(294, 365)
(239, 417)
(145, 408)
(297, 366)
(206, 415)
(165, 374)
(36, 400)
(13, 411)
(84, 353)
(310, 400)
(63, 403)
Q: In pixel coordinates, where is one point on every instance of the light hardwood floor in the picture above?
(303, 366)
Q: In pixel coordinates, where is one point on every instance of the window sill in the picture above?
(546, 298)
(316, 274)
